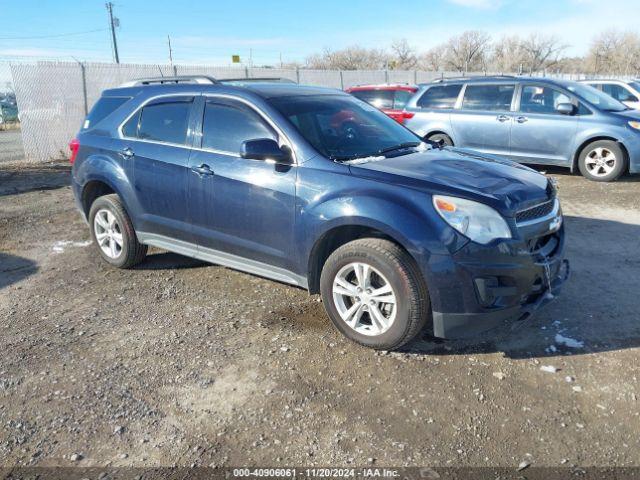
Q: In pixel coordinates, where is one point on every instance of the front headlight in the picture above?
(635, 125)
(474, 220)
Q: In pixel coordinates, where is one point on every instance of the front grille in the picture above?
(533, 213)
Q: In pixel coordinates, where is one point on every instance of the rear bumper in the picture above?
(464, 325)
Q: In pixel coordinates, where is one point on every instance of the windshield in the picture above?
(342, 127)
(596, 98)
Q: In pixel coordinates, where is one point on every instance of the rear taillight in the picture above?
(74, 146)
(405, 116)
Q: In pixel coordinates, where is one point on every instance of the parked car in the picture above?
(263, 178)
(531, 120)
(627, 92)
(390, 98)
(8, 113)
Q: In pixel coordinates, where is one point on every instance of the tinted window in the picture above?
(401, 98)
(103, 107)
(541, 99)
(342, 127)
(130, 129)
(226, 125)
(441, 96)
(377, 98)
(619, 93)
(488, 97)
(165, 122)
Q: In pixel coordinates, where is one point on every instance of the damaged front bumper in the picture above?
(484, 287)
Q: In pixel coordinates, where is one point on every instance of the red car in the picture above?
(390, 98)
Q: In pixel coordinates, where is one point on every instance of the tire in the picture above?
(126, 251)
(440, 139)
(387, 264)
(602, 161)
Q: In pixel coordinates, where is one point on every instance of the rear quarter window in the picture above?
(440, 97)
(104, 107)
(377, 98)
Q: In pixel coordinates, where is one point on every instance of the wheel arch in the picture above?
(92, 190)
(585, 143)
(334, 238)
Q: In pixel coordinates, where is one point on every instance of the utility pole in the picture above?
(170, 52)
(112, 24)
(251, 57)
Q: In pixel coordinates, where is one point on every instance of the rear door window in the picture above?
(226, 124)
(377, 98)
(488, 97)
(103, 108)
(163, 120)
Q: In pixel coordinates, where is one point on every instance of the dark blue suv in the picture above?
(315, 188)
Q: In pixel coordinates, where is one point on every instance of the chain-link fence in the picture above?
(54, 97)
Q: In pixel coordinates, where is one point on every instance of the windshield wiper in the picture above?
(400, 146)
(381, 152)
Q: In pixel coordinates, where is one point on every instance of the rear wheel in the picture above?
(440, 139)
(113, 233)
(374, 293)
(602, 161)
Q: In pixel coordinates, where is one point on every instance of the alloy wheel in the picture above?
(364, 298)
(600, 162)
(108, 233)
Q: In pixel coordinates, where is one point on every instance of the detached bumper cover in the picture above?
(484, 286)
(462, 325)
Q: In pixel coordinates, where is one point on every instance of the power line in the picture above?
(55, 35)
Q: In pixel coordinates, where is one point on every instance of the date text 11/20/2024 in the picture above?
(317, 472)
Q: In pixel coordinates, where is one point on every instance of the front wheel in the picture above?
(602, 161)
(440, 140)
(374, 293)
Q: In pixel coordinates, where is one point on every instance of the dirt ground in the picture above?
(182, 363)
(10, 144)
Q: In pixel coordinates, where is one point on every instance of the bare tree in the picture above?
(468, 51)
(434, 59)
(613, 52)
(541, 51)
(350, 58)
(508, 55)
(403, 56)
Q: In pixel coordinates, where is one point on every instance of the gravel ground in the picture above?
(182, 363)
(10, 146)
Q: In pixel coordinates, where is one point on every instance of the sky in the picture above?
(210, 31)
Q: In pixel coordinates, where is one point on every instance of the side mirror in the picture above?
(265, 149)
(566, 108)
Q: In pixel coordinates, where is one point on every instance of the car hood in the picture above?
(628, 114)
(505, 185)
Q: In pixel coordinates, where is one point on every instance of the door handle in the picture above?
(126, 153)
(521, 119)
(502, 118)
(203, 170)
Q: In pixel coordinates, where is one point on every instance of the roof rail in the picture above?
(256, 79)
(470, 77)
(201, 79)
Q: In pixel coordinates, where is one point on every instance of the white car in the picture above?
(625, 91)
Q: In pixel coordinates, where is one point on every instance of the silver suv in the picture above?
(625, 91)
